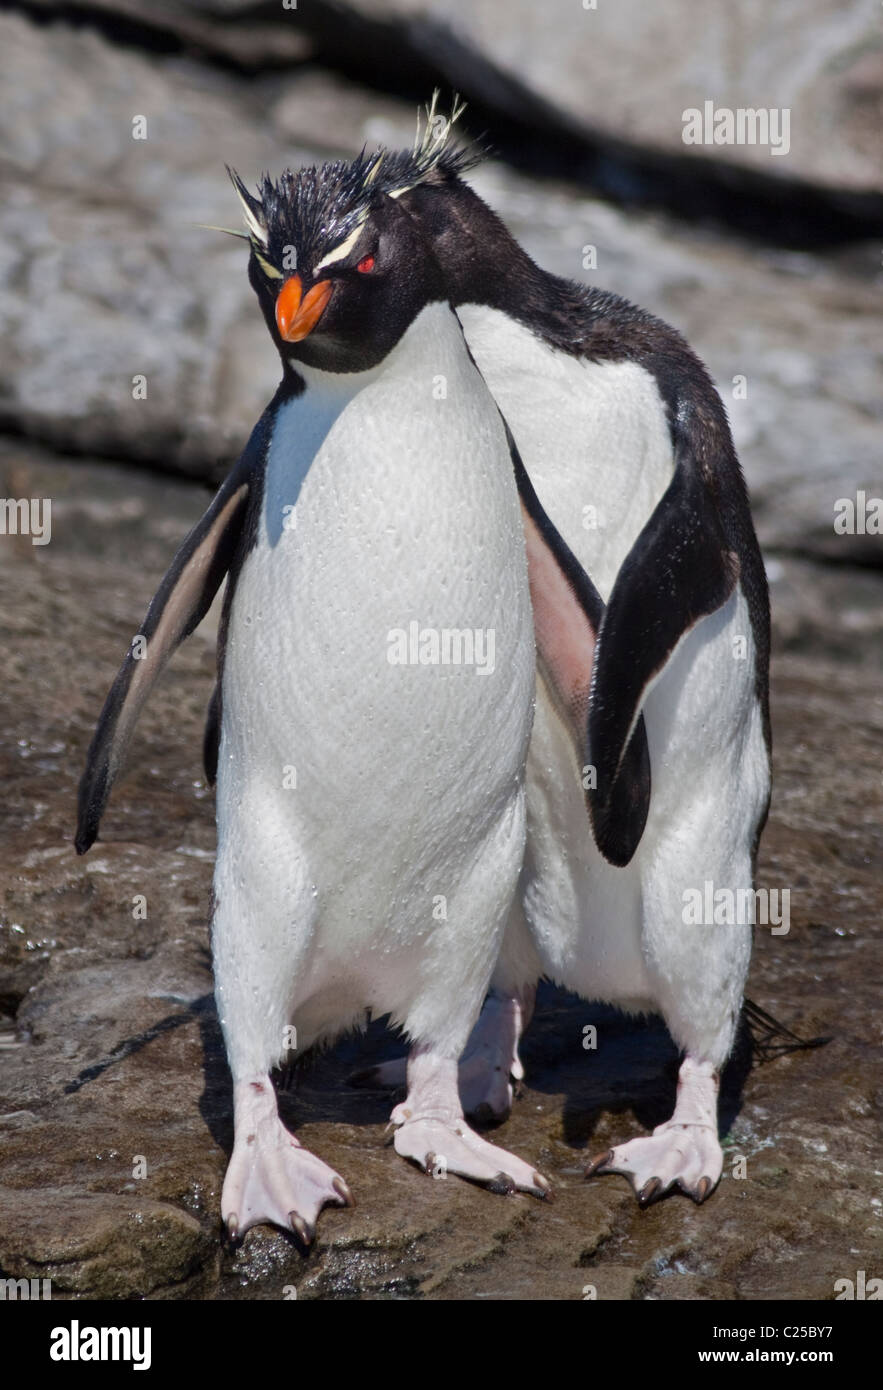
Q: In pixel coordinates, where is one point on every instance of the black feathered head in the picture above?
(339, 268)
(309, 219)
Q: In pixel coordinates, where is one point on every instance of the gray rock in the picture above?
(105, 1246)
(629, 70)
(105, 276)
(215, 31)
(624, 72)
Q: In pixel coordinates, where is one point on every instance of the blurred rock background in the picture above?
(770, 265)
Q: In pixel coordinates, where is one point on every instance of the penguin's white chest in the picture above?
(379, 670)
(593, 436)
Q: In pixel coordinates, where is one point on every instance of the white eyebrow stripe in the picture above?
(268, 267)
(340, 251)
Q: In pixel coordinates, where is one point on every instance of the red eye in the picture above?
(366, 265)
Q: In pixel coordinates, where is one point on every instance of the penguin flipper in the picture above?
(568, 618)
(179, 605)
(679, 570)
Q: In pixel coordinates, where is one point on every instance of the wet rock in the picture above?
(104, 1246)
(115, 1099)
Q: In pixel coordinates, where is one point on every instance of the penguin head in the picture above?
(339, 268)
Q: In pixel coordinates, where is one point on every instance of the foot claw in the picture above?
(271, 1178)
(649, 1191)
(702, 1190)
(303, 1229)
(430, 1142)
(598, 1162)
(684, 1152)
(544, 1185)
(343, 1191)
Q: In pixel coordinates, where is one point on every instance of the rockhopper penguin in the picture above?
(355, 792)
(627, 444)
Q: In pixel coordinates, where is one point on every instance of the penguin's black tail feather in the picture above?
(771, 1039)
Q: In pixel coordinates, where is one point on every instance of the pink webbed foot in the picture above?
(490, 1063)
(271, 1177)
(683, 1152)
(431, 1132)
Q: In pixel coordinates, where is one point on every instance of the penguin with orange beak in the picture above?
(627, 443)
(376, 680)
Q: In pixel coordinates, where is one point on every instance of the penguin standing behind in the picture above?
(627, 445)
(357, 789)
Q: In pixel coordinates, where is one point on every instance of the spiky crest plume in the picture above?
(316, 209)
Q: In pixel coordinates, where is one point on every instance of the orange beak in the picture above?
(297, 313)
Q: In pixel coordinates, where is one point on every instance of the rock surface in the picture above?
(624, 73)
(102, 228)
(629, 70)
(115, 1100)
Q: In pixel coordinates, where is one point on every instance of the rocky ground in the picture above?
(115, 1105)
(112, 1050)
